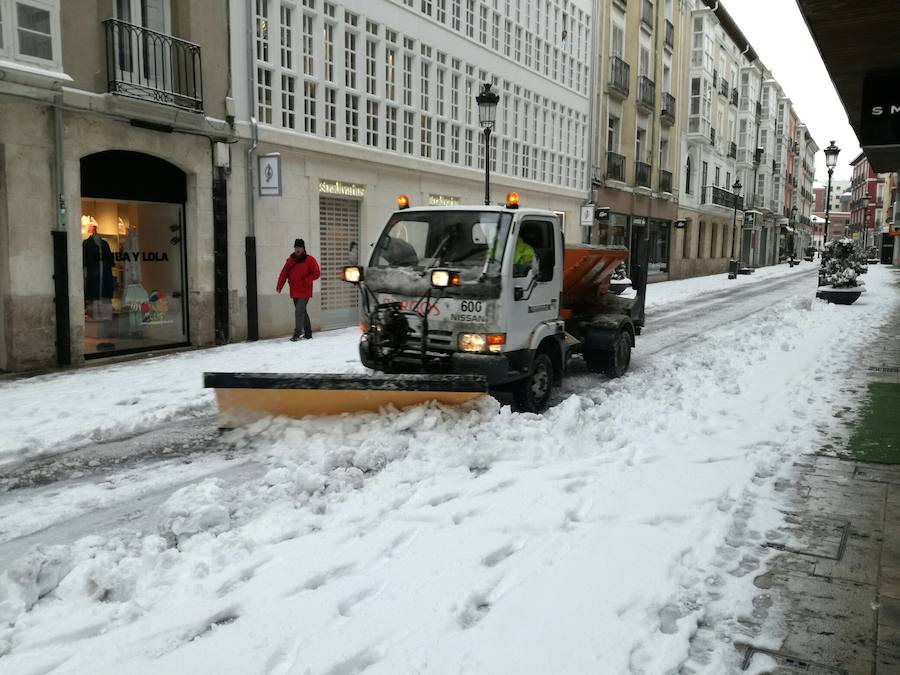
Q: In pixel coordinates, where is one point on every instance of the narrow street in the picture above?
(606, 530)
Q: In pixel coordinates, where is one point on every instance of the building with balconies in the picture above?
(639, 111)
(113, 120)
(711, 148)
(358, 101)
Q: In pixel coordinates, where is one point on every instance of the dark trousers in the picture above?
(301, 317)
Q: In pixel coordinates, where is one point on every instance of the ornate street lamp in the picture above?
(831, 155)
(487, 101)
(735, 195)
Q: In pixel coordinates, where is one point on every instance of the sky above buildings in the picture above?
(779, 35)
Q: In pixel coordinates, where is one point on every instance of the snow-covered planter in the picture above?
(842, 263)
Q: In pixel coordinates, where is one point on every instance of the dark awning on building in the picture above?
(857, 41)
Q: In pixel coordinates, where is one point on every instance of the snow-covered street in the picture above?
(595, 538)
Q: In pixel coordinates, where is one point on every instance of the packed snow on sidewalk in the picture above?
(60, 411)
(600, 537)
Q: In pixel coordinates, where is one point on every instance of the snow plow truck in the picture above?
(462, 301)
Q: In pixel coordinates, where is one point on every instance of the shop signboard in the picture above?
(881, 109)
(587, 215)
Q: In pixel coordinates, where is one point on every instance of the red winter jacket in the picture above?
(299, 275)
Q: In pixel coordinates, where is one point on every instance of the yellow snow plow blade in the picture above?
(244, 397)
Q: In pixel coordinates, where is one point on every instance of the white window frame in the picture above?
(10, 33)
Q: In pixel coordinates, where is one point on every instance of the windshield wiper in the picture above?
(439, 250)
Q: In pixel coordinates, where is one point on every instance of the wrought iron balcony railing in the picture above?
(734, 96)
(152, 66)
(722, 197)
(665, 181)
(667, 115)
(619, 76)
(723, 87)
(615, 166)
(642, 173)
(646, 93)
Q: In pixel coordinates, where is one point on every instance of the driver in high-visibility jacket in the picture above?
(524, 258)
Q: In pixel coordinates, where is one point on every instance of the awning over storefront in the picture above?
(857, 42)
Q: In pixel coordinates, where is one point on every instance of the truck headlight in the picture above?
(444, 278)
(352, 274)
(476, 342)
(472, 342)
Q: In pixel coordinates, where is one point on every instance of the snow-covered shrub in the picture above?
(842, 263)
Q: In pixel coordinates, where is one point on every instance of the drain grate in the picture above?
(790, 663)
(823, 539)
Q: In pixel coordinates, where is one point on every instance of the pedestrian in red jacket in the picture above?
(300, 271)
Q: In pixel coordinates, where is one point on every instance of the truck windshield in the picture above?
(465, 240)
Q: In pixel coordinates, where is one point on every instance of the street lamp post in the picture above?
(793, 234)
(487, 101)
(865, 221)
(733, 265)
(831, 155)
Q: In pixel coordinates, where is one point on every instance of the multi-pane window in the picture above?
(308, 57)
(350, 59)
(328, 37)
(288, 90)
(390, 128)
(441, 11)
(469, 94)
(33, 28)
(495, 33)
(330, 112)
(470, 18)
(351, 118)
(426, 7)
(454, 97)
(518, 52)
(454, 143)
(408, 123)
(469, 141)
(507, 37)
(390, 73)
(528, 50)
(287, 38)
(440, 139)
(309, 107)
(424, 85)
(483, 24)
(425, 138)
(455, 14)
(262, 30)
(372, 123)
(264, 95)
(371, 55)
(407, 79)
(439, 95)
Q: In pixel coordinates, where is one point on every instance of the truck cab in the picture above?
(469, 290)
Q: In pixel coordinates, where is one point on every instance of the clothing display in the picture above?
(98, 262)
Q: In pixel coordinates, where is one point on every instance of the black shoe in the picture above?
(295, 338)
(307, 337)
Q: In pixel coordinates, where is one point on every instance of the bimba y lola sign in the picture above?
(881, 109)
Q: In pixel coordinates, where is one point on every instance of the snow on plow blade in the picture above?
(244, 397)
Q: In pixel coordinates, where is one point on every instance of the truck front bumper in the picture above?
(494, 367)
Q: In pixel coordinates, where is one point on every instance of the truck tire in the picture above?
(615, 363)
(533, 393)
(593, 359)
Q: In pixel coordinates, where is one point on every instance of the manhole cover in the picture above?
(787, 664)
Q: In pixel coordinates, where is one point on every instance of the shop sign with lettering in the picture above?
(443, 200)
(881, 109)
(336, 187)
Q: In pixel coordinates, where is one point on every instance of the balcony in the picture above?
(734, 97)
(721, 197)
(646, 93)
(647, 13)
(619, 77)
(667, 116)
(723, 87)
(642, 173)
(665, 181)
(615, 167)
(732, 150)
(670, 34)
(151, 66)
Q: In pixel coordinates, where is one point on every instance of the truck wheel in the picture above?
(615, 363)
(533, 393)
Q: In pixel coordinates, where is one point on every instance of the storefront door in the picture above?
(338, 229)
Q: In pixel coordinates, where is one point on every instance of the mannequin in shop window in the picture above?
(99, 283)
(135, 297)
